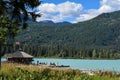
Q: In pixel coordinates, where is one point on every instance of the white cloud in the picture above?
(47, 8)
(105, 6)
(87, 15)
(68, 9)
(109, 5)
(59, 12)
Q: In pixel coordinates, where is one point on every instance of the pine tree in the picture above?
(11, 21)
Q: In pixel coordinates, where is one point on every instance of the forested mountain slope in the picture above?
(102, 31)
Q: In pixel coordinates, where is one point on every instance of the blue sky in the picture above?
(75, 10)
(88, 4)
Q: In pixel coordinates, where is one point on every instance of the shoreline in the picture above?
(77, 58)
(88, 72)
(81, 64)
(10, 71)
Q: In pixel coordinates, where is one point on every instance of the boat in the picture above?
(62, 66)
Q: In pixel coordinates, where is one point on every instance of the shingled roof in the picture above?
(21, 54)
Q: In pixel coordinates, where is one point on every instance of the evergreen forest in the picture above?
(98, 38)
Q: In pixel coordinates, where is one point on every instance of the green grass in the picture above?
(11, 72)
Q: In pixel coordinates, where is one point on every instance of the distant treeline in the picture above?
(65, 52)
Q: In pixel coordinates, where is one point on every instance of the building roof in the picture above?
(21, 54)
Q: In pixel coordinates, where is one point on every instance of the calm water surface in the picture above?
(112, 65)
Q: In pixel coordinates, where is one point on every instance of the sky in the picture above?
(75, 10)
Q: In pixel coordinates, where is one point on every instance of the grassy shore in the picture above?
(33, 72)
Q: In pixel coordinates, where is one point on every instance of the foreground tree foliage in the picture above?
(13, 17)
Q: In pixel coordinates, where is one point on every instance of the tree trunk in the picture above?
(0, 61)
(0, 55)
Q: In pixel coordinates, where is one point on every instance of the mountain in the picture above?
(102, 31)
(51, 23)
(47, 22)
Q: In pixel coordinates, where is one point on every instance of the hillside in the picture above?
(102, 31)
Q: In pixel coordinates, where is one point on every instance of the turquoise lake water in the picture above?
(112, 65)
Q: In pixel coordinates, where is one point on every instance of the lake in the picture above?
(112, 65)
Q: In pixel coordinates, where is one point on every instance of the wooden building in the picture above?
(20, 57)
